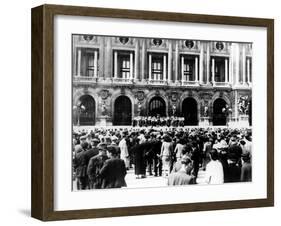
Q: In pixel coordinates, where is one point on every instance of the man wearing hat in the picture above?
(182, 177)
(95, 165)
(113, 171)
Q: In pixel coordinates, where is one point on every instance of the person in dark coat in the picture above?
(94, 167)
(157, 161)
(139, 151)
(80, 165)
(114, 171)
(233, 171)
(246, 169)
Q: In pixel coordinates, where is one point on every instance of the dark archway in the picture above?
(85, 111)
(156, 107)
(250, 113)
(122, 111)
(219, 114)
(189, 111)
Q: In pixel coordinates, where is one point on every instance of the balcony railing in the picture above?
(221, 84)
(157, 82)
(122, 80)
(78, 78)
(101, 80)
(189, 83)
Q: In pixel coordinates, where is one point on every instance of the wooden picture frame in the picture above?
(43, 111)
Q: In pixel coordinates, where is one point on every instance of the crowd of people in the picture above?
(144, 121)
(102, 157)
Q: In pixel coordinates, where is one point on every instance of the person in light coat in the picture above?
(124, 155)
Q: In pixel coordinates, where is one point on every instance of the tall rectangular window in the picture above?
(157, 65)
(123, 64)
(157, 68)
(87, 62)
(189, 67)
(220, 69)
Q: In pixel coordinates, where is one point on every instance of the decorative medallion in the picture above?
(157, 41)
(189, 44)
(88, 37)
(219, 46)
(174, 96)
(104, 94)
(123, 40)
(140, 95)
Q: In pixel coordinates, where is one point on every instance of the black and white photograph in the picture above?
(157, 112)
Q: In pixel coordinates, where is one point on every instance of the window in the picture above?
(124, 69)
(123, 64)
(87, 62)
(219, 69)
(157, 66)
(189, 67)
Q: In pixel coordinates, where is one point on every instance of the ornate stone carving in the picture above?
(104, 94)
(140, 95)
(243, 105)
(174, 96)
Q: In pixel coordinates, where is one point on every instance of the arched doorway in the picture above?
(122, 111)
(189, 111)
(219, 114)
(156, 107)
(84, 111)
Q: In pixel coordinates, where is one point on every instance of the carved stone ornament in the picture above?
(189, 44)
(104, 94)
(174, 96)
(88, 37)
(124, 40)
(219, 46)
(140, 95)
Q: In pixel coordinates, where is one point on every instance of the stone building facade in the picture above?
(118, 78)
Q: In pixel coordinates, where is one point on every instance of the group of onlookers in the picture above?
(102, 157)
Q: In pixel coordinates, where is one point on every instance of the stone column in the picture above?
(208, 63)
(213, 70)
(237, 59)
(107, 67)
(177, 63)
(143, 61)
(115, 64)
(201, 58)
(248, 70)
(226, 70)
(149, 66)
(164, 68)
(131, 66)
(101, 58)
(196, 69)
(79, 63)
(137, 60)
(170, 57)
(182, 68)
(236, 104)
(96, 64)
(243, 64)
(230, 74)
